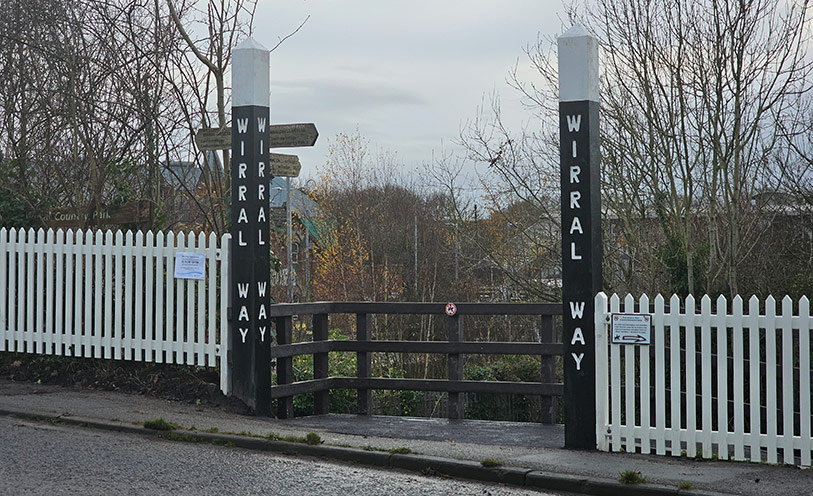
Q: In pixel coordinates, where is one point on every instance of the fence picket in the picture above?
(172, 327)
(30, 282)
(121, 283)
(47, 328)
(211, 257)
(739, 383)
(68, 342)
(754, 380)
(705, 375)
(225, 247)
(645, 400)
(160, 327)
(720, 324)
(805, 323)
(770, 378)
(87, 317)
(602, 386)
(149, 332)
(691, 377)
(629, 385)
(615, 383)
(59, 294)
(5, 324)
(189, 332)
(674, 374)
(200, 328)
(107, 313)
(660, 377)
(787, 379)
(126, 344)
(134, 310)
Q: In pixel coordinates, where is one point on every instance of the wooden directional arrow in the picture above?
(213, 138)
(293, 135)
(282, 136)
(285, 165)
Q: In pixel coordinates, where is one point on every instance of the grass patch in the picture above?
(491, 462)
(160, 424)
(400, 451)
(312, 438)
(684, 485)
(631, 477)
(189, 438)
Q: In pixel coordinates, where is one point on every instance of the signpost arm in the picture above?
(581, 229)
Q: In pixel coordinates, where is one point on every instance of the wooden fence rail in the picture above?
(455, 347)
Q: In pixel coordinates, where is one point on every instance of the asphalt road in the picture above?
(47, 459)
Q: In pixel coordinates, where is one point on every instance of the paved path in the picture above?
(531, 453)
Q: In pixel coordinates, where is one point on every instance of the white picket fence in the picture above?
(726, 383)
(105, 295)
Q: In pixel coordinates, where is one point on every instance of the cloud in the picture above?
(357, 94)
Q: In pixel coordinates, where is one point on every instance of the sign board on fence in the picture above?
(628, 328)
(133, 212)
(190, 265)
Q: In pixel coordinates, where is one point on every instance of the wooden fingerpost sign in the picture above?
(249, 264)
(581, 229)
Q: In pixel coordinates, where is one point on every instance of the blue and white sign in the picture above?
(190, 265)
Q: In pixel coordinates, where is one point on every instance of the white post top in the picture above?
(578, 66)
(250, 75)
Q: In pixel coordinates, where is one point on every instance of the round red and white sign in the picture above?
(451, 309)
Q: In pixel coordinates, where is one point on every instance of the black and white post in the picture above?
(581, 229)
(250, 265)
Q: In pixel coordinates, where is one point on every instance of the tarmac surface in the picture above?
(531, 454)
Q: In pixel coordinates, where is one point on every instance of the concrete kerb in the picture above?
(427, 465)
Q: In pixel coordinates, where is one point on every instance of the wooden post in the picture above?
(455, 363)
(321, 399)
(548, 406)
(363, 363)
(581, 229)
(285, 366)
(250, 258)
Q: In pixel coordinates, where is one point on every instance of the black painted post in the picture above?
(285, 366)
(548, 410)
(321, 399)
(250, 268)
(581, 229)
(455, 364)
(363, 363)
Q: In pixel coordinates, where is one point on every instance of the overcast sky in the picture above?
(406, 74)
